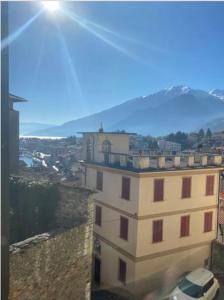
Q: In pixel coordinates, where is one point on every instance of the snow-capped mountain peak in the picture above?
(217, 93)
(177, 90)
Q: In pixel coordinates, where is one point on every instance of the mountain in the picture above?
(218, 93)
(27, 128)
(169, 110)
(215, 125)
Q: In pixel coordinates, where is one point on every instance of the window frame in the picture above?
(156, 193)
(124, 230)
(98, 209)
(208, 226)
(157, 234)
(99, 180)
(185, 232)
(208, 190)
(126, 188)
(122, 277)
(184, 194)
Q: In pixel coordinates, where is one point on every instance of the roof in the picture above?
(107, 132)
(200, 276)
(15, 98)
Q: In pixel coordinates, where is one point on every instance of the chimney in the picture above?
(217, 160)
(161, 162)
(140, 162)
(176, 161)
(204, 160)
(190, 161)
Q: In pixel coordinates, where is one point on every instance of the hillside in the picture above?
(170, 110)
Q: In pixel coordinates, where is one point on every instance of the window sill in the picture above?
(157, 242)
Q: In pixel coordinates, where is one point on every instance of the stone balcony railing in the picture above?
(152, 162)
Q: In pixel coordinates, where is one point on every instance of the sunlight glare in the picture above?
(51, 5)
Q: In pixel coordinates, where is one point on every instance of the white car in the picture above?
(199, 284)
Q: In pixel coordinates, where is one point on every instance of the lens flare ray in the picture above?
(121, 36)
(12, 37)
(85, 25)
(71, 66)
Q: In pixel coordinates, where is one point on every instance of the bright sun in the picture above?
(51, 5)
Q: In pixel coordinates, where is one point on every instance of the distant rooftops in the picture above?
(14, 98)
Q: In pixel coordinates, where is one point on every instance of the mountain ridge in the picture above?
(172, 109)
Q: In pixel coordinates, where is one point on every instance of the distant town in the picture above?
(60, 157)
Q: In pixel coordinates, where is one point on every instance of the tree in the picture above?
(201, 133)
(208, 133)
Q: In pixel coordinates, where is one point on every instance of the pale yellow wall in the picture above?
(149, 274)
(110, 229)
(111, 194)
(172, 192)
(162, 271)
(171, 233)
(174, 255)
(119, 144)
(109, 267)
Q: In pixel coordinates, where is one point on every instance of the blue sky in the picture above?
(126, 49)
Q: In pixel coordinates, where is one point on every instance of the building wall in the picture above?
(119, 144)
(57, 265)
(13, 140)
(173, 190)
(56, 268)
(110, 229)
(161, 272)
(171, 233)
(149, 274)
(111, 194)
(147, 262)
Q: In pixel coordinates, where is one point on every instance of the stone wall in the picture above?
(56, 265)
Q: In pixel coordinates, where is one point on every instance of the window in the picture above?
(122, 271)
(124, 228)
(158, 189)
(208, 222)
(99, 180)
(186, 187)
(125, 193)
(157, 231)
(210, 185)
(208, 285)
(191, 289)
(98, 215)
(185, 226)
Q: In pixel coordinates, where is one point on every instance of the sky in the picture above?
(90, 56)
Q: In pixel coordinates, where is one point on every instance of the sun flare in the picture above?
(51, 5)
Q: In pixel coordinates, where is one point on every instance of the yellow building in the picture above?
(155, 217)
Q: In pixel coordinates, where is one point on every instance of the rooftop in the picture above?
(14, 98)
(200, 276)
(159, 163)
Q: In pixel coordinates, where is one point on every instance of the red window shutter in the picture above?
(186, 187)
(99, 180)
(125, 193)
(122, 271)
(208, 221)
(210, 185)
(98, 215)
(124, 228)
(157, 231)
(185, 226)
(158, 189)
